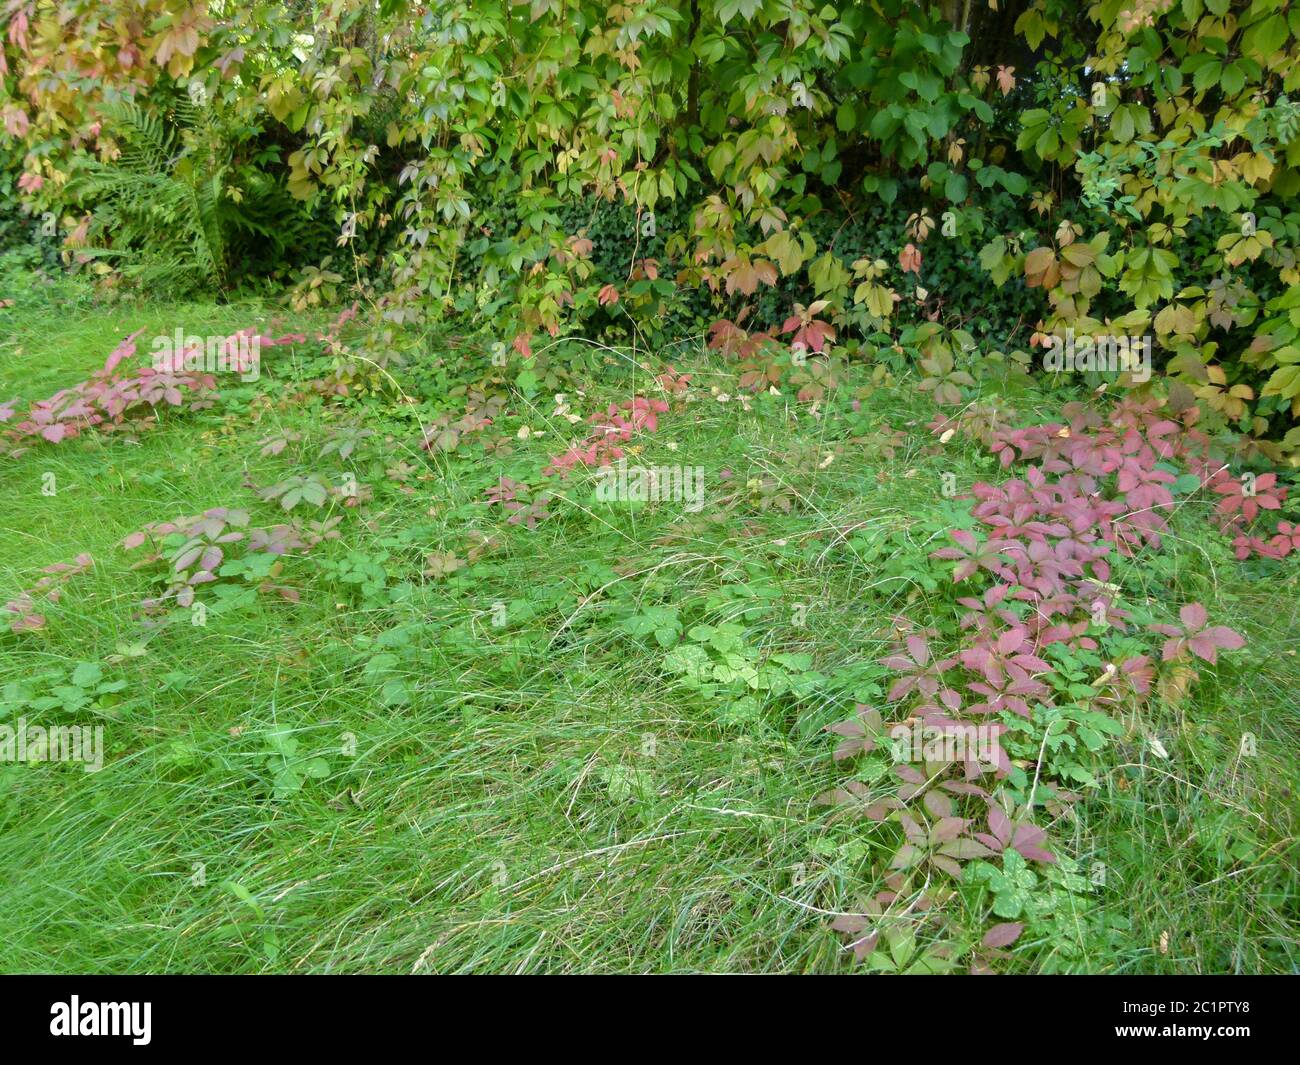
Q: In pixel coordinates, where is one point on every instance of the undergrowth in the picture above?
(445, 702)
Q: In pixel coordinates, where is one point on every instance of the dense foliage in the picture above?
(571, 167)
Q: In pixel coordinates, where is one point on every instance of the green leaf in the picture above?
(1266, 37)
(87, 674)
(1232, 80)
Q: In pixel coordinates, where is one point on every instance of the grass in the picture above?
(549, 795)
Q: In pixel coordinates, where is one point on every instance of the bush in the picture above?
(660, 166)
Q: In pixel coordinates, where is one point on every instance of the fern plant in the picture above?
(172, 208)
(153, 209)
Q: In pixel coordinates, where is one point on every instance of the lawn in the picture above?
(457, 743)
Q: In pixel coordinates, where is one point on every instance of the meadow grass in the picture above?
(544, 795)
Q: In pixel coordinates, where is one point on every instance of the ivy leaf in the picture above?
(726, 10)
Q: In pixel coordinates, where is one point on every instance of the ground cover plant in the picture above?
(703, 486)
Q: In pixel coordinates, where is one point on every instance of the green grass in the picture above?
(548, 796)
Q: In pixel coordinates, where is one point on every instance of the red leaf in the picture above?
(1003, 935)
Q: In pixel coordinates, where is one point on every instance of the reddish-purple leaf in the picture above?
(1003, 935)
